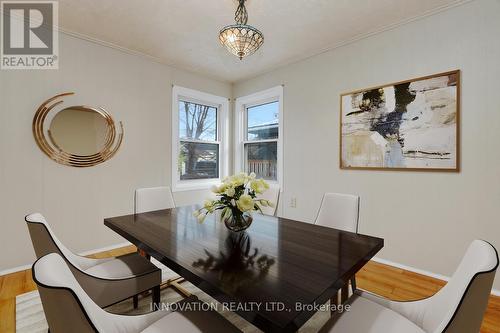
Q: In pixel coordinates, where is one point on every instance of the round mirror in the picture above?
(79, 130)
(78, 136)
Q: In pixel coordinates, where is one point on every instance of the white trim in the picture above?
(222, 104)
(104, 249)
(15, 269)
(411, 269)
(494, 292)
(262, 97)
(85, 253)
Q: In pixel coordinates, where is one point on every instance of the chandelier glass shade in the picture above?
(241, 39)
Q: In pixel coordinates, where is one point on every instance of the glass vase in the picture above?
(238, 221)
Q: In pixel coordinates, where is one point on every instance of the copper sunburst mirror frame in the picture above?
(48, 145)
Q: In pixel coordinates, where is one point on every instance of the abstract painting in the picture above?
(409, 125)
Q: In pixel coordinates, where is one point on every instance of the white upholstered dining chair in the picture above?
(106, 281)
(152, 199)
(272, 194)
(340, 211)
(68, 308)
(457, 308)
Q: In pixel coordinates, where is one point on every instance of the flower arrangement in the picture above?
(236, 199)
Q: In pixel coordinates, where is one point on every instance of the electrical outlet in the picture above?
(293, 202)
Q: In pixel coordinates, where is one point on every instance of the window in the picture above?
(261, 144)
(199, 129)
(259, 133)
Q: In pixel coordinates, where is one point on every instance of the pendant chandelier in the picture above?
(241, 39)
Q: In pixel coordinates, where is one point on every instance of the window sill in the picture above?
(194, 185)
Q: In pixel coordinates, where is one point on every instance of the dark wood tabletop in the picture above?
(277, 263)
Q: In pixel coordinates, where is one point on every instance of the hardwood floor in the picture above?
(398, 284)
(387, 281)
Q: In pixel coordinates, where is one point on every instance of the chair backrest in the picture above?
(459, 306)
(339, 211)
(272, 194)
(69, 309)
(153, 198)
(45, 241)
(59, 294)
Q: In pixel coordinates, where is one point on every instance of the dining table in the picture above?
(275, 274)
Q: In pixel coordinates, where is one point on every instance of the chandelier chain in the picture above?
(241, 15)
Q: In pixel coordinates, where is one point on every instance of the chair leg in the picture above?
(334, 302)
(156, 294)
(344, 296)
(344, 293)
(136, 301)
(353, 284)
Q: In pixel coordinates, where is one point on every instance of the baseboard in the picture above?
(15, 269)
(104, 249)
(85, 253)
(494, 292)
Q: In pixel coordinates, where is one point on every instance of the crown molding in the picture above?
(136, 53)
(114, 46)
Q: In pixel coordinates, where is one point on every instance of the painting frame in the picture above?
(457, 167)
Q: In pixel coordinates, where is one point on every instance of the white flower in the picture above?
(208, 204)
(201, 218)
(240, 189)
(256, 186)
(230, 191)
(239, 179)
(219, 189)
(245, 203)
(259, 185)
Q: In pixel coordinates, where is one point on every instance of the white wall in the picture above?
(427, 219)
(135, 91)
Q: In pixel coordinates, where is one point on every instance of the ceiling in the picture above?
(184, 33)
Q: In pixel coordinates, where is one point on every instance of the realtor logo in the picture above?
(28, 36)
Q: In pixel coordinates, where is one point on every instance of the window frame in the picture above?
(222, 105)
(274, 94)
